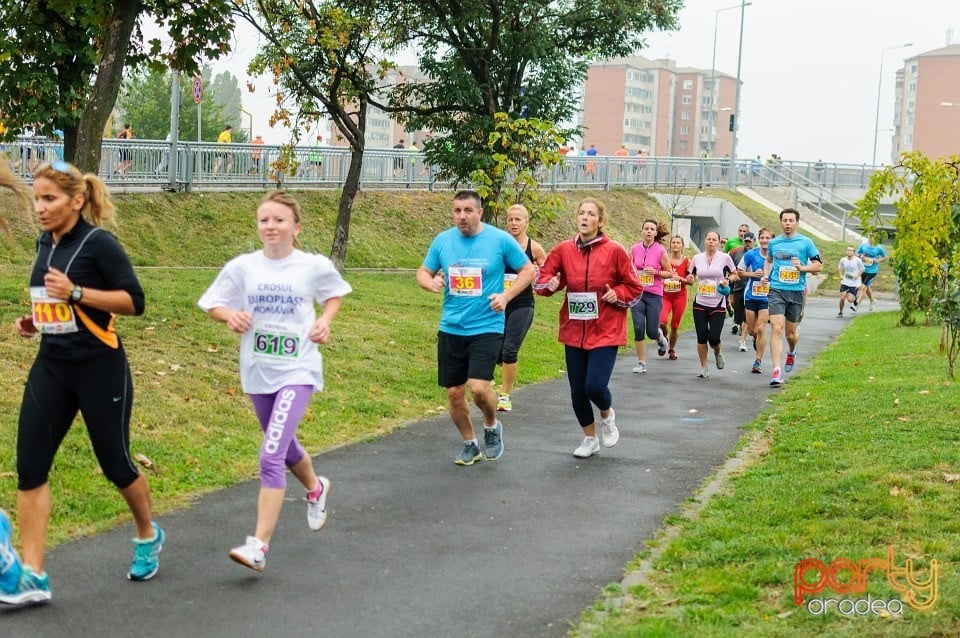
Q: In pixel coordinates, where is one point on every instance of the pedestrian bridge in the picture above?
(826, 188)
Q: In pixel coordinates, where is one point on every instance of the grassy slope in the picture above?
(190, 417)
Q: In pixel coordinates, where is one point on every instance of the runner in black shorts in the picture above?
(81, 280)
(467, 264)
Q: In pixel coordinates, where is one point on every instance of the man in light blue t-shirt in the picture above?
(467, 264)
(790, 257)
(871, 255)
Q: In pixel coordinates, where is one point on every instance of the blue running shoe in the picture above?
(790, 362)
(9, 561)
(31, 589)
(146, 555)
(493, 442)
(468, 455)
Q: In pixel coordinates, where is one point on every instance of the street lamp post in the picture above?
(736, 103)
(713, 77)
(876, 123)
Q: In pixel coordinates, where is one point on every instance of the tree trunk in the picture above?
(351, 186)
(86, 152)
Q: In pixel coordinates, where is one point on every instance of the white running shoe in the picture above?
(589, 447)
(720, 360)
(317, 510)
(252, 554)
(704, 373)
(743, 346)
(640, 368)
(609, 434)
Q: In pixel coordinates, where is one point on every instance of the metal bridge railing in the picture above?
(145, 165)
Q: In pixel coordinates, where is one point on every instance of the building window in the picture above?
(687, 99)
(683, 145)
(684, 115)
(684, 130)
(687, 85)
(913, 87)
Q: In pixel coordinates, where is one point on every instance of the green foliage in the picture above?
(59, 59)
(145, 102)
(47, 62)
(521, 151)
(927, 243)
(523, 58)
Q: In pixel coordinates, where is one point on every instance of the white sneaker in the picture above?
(704, 373)
(589, 447)
(743, 346)
(720, 360)
(640, 368)
(317, 510)
(252, 554)
(609, 434)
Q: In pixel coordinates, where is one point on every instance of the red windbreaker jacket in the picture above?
(591, 267)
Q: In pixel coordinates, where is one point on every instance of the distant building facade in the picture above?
(382, 129)
(657, 106)
(927, 113)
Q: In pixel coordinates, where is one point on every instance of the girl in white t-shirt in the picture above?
(268, 297)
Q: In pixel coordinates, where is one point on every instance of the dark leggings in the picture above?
(102, 390)
(646, 316)
(516, 325)
(709, 323)
(589, 374)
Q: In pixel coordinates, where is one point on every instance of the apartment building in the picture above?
(927, 112)
(383, 131)
(655, 105)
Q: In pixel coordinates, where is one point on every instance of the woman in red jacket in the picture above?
(601, 284)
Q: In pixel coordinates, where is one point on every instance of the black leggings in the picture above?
(709, 323)
(102, 390)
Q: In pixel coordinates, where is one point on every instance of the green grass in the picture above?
(854, 455)
(190, 417)
(835, 445)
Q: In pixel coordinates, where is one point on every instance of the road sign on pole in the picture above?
(197, 89)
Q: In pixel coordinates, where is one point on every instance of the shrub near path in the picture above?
(856, 454)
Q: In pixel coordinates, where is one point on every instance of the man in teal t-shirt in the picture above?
(871, 255)
(467, 264)
(790, 257)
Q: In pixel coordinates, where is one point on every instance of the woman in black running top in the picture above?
(81, 280)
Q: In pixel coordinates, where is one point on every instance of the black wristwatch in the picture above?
(76, 294)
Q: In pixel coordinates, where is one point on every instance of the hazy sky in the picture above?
(810, 69)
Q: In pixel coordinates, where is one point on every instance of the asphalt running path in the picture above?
(417, 546)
